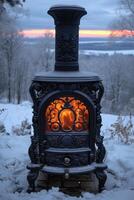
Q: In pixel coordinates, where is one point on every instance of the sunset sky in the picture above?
(32, 33)
(97, 23)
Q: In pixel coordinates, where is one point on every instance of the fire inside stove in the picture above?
(67, 114)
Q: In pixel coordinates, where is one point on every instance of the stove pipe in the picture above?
(67, 20)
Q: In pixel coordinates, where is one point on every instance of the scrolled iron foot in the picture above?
(31, 178)
(102, 177)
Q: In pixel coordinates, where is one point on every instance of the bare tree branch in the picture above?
(125, 21)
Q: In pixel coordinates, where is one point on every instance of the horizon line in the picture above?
(83, 33)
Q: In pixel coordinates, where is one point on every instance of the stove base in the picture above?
(74, 186)
(97, 168)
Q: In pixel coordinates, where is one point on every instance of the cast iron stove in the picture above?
(66, 110)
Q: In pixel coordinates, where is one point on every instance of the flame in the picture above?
(67, 114)
(67, 119)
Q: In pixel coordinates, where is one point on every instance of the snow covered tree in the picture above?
(45, 54)
(11, 48)
(12, 2)
(11, 44)
(21, 78)
(125, 19)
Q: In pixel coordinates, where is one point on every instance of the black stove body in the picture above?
(66, 110)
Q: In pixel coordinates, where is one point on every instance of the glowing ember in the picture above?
(67, 114)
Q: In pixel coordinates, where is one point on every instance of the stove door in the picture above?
(68, 129)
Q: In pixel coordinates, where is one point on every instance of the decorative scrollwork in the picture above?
(101, 91)
(68, 141)
(34, 151)
(101, 151)
(67, 114)
(77, 159)
(94, 90)
(67, 47)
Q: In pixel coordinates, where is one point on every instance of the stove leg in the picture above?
(31, 178)
(102, 177)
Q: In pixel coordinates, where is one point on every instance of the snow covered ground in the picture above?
(14, 158)
(109, 52)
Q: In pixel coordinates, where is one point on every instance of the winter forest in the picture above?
(110, 57)
(20, 61)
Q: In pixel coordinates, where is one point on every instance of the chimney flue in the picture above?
(67, 20)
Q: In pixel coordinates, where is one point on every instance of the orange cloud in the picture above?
(83, 33)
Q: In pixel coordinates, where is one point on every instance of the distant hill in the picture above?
(100, 44)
